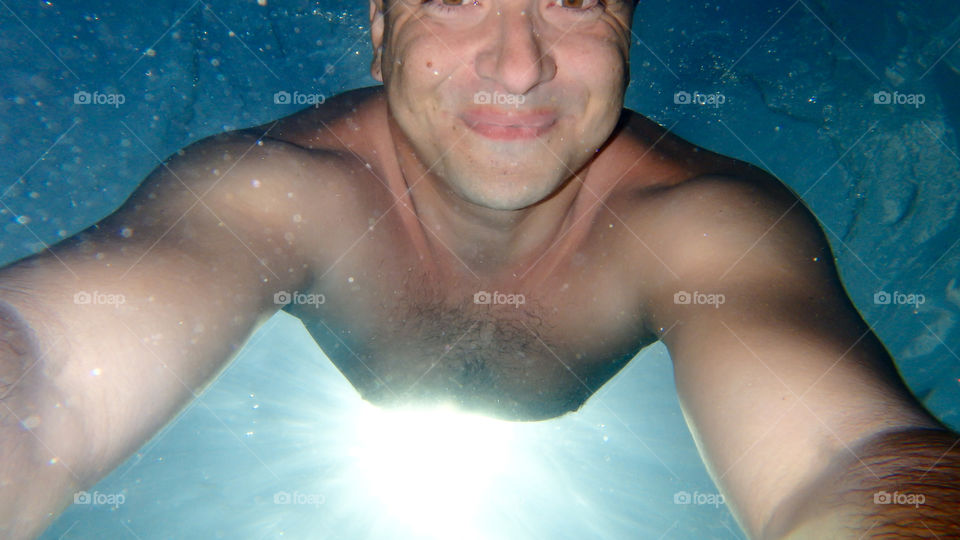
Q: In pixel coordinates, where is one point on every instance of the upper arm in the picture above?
(783, 377)
(131, 318)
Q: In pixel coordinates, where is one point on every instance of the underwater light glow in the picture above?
(432, 468)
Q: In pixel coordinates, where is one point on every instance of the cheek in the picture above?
(605, 68)
(606, 80)
(420, 66)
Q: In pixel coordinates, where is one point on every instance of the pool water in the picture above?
(826, 96)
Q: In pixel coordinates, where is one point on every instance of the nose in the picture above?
(516, 57)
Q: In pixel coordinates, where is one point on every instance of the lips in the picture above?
(508, 125)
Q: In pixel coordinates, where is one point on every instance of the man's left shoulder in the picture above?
(658, 170)
(716, 215)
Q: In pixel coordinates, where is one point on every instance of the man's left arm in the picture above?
(899, 484)
(794, 404)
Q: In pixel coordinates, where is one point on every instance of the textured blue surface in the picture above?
(798, 80)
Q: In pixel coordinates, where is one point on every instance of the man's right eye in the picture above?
(449, 6)
(451, 3)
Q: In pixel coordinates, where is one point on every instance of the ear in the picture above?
(376, 38)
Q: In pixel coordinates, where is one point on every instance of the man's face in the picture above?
(503, 100)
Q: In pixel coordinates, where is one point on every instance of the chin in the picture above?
(512, 199)
(495, 190)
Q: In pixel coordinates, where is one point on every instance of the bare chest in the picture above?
(510, 351)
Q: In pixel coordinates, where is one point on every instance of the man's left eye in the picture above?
(578, 4)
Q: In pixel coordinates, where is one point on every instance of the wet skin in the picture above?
(401, 203)
(400, 318)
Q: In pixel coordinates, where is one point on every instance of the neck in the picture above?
(469, 239)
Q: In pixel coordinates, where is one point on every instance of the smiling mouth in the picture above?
(499, 125)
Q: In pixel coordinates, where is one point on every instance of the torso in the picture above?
(404, 332)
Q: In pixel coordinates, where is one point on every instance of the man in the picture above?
(489, 228)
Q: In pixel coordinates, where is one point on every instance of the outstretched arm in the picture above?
(106, 336)
(785, 388)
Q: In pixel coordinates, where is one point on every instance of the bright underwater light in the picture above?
(432, 468)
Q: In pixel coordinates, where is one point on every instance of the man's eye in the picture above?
(449, 5)
(453, 3)
(578, 4)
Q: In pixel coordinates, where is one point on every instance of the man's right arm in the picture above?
(106, 336)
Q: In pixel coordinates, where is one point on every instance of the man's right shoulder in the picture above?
(242, 169)
(349, 122)
(264, 191)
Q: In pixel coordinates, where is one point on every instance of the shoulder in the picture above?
(348, 122)
(730, 219)
(240, 169)
(343, 144)
(723, 204)
(265, 191)
(666, 181)
(693, 217)
(741, 236)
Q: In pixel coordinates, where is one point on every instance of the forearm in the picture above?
(88, 382)
(38, 469)
(903, 484)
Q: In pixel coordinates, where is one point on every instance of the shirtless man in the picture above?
(497, 157)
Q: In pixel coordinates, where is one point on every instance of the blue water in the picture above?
(798, 82)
